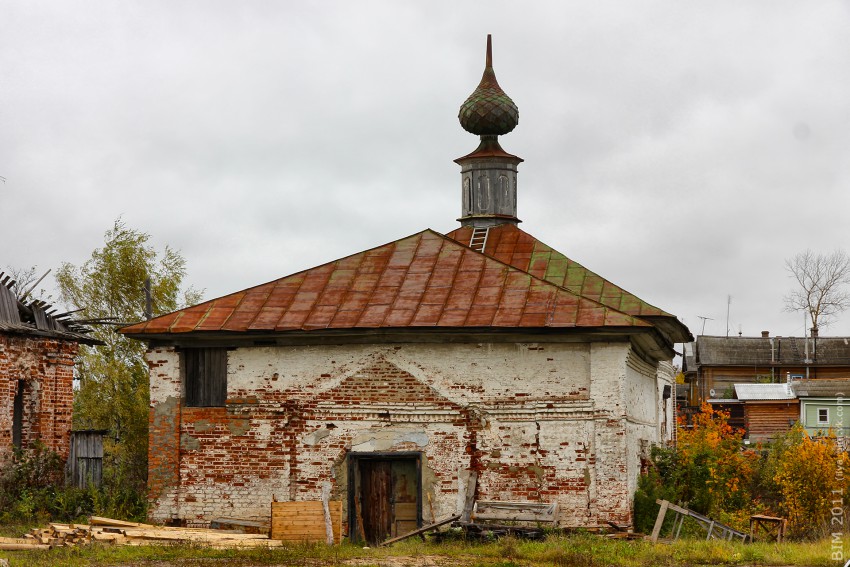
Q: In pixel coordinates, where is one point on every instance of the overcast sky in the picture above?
(682, 150)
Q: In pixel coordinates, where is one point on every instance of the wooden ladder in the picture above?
(479, 238)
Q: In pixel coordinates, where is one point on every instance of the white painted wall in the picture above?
(559, 421)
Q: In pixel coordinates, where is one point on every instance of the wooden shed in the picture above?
(764, 419)
(769, 409)
(85, 463)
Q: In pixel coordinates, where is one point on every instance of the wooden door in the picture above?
(387, 493)
(375, 501)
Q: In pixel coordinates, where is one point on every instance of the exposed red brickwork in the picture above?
(163, 433)
(45, 369)
(281, 437)
(383, 382)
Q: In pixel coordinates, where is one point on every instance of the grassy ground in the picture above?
(578, 551)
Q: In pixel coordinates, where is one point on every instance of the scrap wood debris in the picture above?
(119, 532)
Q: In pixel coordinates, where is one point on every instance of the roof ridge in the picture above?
(552, 249)
(543, 280)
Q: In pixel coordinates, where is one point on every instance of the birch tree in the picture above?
(821, 290)
(108, 289)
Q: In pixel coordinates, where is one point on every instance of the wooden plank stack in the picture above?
(118, 532)
(305, 521)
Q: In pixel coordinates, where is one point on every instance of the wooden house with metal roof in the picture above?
(825, 407)
(761, 410)
(718, 363)
(414, 378)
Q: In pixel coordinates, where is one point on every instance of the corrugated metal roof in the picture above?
(764, 392)
(424, 280)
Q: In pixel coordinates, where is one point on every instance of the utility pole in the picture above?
(148, 300)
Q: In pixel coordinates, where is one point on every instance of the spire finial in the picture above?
(488, 111)
(489, 173)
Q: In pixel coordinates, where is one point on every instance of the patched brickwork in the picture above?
(537, 422)
(44, 371)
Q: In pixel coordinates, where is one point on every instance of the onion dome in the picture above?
(488, 111)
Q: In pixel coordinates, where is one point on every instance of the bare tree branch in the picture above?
(821, 281)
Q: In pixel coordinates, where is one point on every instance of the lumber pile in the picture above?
(118, 532)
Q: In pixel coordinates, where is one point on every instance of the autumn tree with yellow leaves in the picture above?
(713, 472)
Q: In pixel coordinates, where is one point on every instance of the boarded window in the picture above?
(206, 376)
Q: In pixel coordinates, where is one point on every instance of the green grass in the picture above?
(565, 551)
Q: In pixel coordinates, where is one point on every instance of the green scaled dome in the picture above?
(488, 111)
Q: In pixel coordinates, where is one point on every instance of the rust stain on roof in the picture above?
(424, 280)
(515, 247)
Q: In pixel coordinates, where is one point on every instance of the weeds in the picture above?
(560, 551)
(33, 492)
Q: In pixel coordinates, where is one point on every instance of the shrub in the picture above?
(33, 491)
(711, 472)
(809, 476)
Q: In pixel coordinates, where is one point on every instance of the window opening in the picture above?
(18, 415)
(206, 376)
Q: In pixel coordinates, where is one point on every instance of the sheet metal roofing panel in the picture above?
(424, 280)
(764, 392)
(511, 245)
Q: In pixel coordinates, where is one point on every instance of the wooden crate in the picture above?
(305, 521)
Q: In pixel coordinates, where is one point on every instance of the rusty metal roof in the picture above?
(423, 280)
(511, 245)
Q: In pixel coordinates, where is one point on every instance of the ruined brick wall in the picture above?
(45, 369)
(536, 421)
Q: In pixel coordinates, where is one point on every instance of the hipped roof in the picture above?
(512, 245)
(424, 280)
